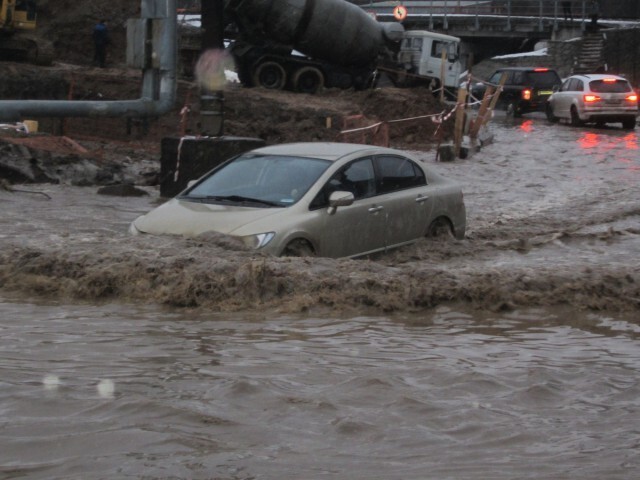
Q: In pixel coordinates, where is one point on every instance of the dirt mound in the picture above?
(278, 117)
(411, 115)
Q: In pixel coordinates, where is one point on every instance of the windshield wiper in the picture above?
(234, 198)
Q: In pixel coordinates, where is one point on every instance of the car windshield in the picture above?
(609, 86)
(259, 180)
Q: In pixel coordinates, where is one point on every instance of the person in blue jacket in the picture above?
(101, 41)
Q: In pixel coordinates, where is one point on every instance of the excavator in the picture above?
(18, 41)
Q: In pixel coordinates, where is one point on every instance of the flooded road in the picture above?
(512, 354)
(119, 391)
(553, 219)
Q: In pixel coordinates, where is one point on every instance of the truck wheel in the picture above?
(434, 85)
(308, 80)
(270, 75)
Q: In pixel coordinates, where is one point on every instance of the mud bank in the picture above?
(214, 273)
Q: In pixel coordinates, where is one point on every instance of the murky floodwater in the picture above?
(512, 354)
(119, 391)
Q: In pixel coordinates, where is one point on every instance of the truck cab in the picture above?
(428, 56)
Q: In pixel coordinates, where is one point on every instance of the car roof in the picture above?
(524, 69)
(598, 76)
(325, 150)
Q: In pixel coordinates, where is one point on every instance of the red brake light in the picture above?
(540, 69)
(591, 98)
(609, 80)
(632, 98)
(526, 94)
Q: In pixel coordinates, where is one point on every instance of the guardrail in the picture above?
(556, 10)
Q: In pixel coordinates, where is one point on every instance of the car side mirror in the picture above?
(339, 198)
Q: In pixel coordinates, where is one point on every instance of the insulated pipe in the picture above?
(158, 94)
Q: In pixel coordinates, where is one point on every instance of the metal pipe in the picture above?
(158, 94)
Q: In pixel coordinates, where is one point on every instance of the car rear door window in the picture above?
(358, 177)
(397, 173)
(574, 85)
(517, 78)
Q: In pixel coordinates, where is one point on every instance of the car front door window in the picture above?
(356, 228)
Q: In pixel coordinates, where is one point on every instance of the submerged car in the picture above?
(526, 89)
(324, 199)
(597, 98)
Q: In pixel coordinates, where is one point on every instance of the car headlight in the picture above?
(259, 240)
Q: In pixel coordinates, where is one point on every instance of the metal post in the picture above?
(477, 22)
(212, 102)
(445, 23)
(212, 113)
(508, 15)
(431, 15)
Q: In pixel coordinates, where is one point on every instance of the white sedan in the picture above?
(325, 199)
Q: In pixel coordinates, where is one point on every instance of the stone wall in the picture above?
(563, 55)
(621, 52)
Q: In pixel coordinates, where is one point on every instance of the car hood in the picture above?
(180, 217)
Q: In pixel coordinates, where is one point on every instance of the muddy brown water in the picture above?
(512, 354)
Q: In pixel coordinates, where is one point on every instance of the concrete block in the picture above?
(188, 158)
(446, 153)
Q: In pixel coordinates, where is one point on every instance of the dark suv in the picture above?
(526, 88)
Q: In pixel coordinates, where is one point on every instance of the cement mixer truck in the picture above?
(304, 45)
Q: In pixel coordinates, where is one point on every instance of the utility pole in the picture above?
(212, 102)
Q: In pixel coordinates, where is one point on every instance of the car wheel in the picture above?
(513, 110)
(550, 116)
(299, 248)
(440, 228)
(509, 109)
(629, 123)
(575, 119)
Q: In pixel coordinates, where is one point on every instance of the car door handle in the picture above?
(375, 209)
(420, 199)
